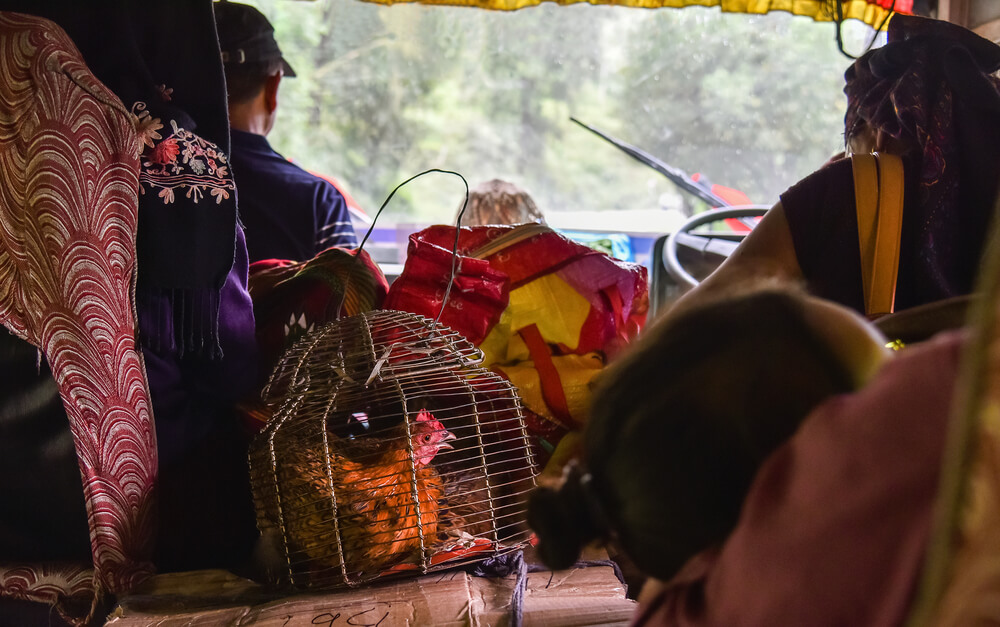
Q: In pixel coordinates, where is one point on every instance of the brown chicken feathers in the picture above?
(383, 506)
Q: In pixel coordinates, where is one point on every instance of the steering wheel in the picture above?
(706, 244)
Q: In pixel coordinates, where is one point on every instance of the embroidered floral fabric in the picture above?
(181, 162)
(187, 197)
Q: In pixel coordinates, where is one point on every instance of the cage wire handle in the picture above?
(454, 260)
(454, 249)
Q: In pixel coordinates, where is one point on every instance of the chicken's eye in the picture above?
(427, 437)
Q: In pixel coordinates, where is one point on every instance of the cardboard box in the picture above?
(572, 598)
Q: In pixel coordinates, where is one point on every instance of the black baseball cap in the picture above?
(245, 36)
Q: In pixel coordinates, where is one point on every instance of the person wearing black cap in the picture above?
(287, 212)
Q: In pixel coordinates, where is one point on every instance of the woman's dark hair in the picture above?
(679, 427)
(933, 86)
(566, 519)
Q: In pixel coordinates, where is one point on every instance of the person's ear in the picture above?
(271, 92)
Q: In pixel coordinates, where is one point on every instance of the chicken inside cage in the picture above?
(423, 467)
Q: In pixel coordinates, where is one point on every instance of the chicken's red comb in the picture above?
(423, 415)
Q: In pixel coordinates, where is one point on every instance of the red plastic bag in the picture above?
(547, 312)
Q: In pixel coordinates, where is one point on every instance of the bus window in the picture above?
(746, 103)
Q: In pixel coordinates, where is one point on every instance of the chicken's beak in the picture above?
(448, 435)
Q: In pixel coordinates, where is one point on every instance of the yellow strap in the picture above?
(514, 236)
(878, 190)
(890, 226)
(866, 198)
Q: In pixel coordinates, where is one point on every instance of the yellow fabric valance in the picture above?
(871, 14)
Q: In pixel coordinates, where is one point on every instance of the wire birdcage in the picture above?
(389, 452)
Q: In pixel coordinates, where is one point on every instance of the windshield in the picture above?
(753, 103)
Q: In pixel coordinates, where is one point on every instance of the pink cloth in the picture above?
(835, 524)
(68, 215)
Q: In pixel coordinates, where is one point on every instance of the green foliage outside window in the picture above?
(753, 103)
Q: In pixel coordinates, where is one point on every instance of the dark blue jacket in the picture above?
(287, 212)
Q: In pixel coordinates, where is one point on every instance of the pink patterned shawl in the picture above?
(68, 214)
